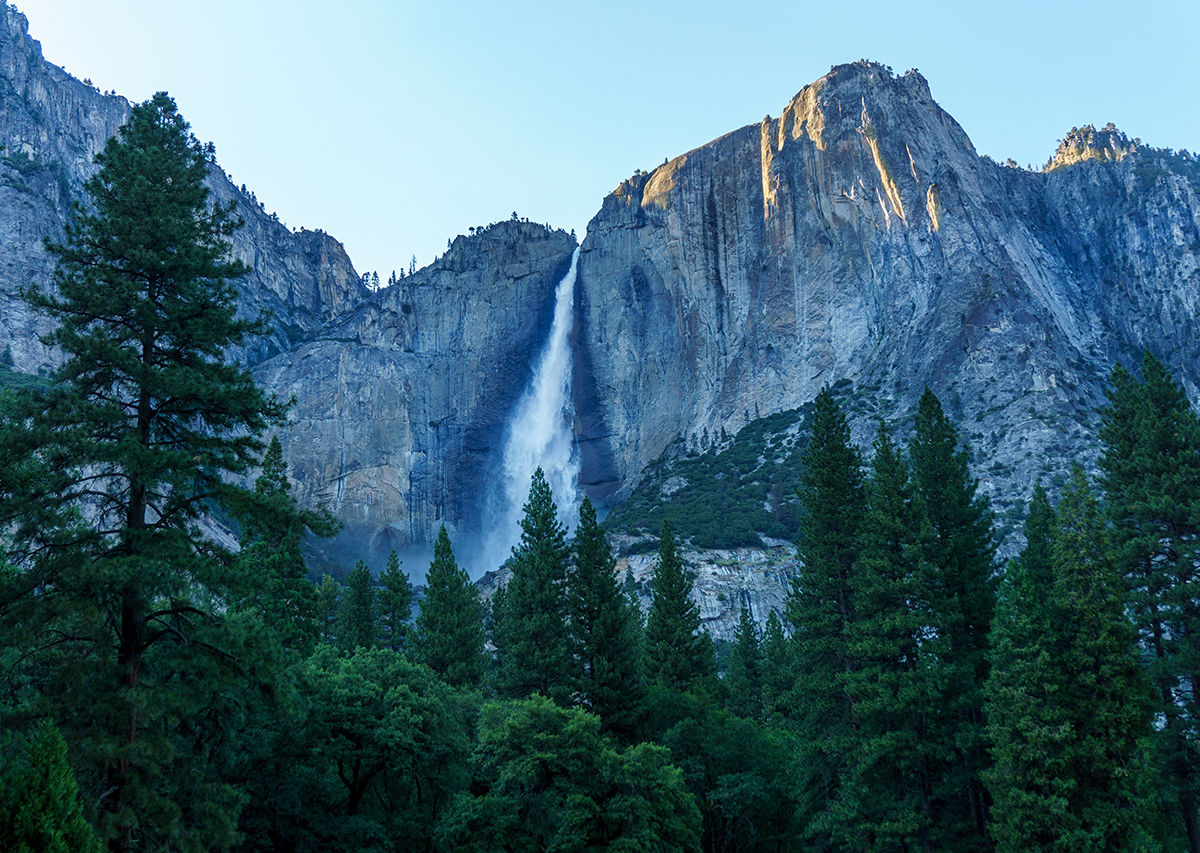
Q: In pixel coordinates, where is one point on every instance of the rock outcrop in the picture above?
(860, 236)
(402, 401)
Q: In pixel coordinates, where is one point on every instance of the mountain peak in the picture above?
(1086, 143)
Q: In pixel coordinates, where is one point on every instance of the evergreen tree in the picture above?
(777, 670)
(143, 429)
(1150, 464)
(40, 810)
(1067, 702)
(533, 647)
(820, 609)
(604, 631)
(960, 555)
(547, 778)
(328, 606)
(449, 632)
(356, 618)
(273, 525)
(679, 653)
(744, 676)
(394, 598)
(888, 793)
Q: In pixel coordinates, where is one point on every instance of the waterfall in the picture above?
(539, 433)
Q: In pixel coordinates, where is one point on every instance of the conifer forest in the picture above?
(166, 689)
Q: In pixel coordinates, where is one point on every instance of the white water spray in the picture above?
(540, 434)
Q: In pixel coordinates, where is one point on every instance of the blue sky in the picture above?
(395, 126)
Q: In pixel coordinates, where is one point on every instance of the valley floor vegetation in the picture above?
(160, 692)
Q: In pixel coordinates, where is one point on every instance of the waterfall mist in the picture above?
(539, 434)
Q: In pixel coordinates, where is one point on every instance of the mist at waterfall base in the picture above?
(539, 434)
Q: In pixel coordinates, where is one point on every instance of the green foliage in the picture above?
(545, 778)
(394, 599)
(679, 654)
(1150, 466)
(777, 668)
(820, 609)
(716, 498)
(742, 775)
(328, 606)
(40, 810)
(888, 792)
(1068, 705)
(959, 554)
(744, 676)
(533, 645)
(605, 632)
(142, 430)
(356, 617)
(273, 525)
(389, 737)
(449, 633)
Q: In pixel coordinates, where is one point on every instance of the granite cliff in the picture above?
(860, 236)
(401, 402)
(51, 126)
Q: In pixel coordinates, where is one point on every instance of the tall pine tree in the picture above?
(679, 653)
(356, 618)
(448, 637)
(533, 645)
(744, 675)
(604, 630)
(1068, 705)
(1150, 464)
(273, 525)
(144, 428)
(960, 555)
(394, 599)
(820, 608)
(888, 797)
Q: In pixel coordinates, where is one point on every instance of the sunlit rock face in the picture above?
(860, 235)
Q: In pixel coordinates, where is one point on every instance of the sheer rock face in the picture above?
(860, 236)
(51, 127)
(400, 395)
(402, 401)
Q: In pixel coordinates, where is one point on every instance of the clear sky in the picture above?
(397, 125)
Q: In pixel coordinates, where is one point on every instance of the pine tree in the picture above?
(744, 676)
(273, 526)
(328, 605)
(533, 647)
(604, 631)
(888, 792)
(356, 618)
(143, 429)
(679, 653)
(820, 608)
(1067, 702)
(394, 599)
(777, 669)
(39, 797)
(960, 555)
(449, 632)
(1027, 788)
(1150, 466)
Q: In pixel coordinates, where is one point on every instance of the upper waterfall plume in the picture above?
(540, 434)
